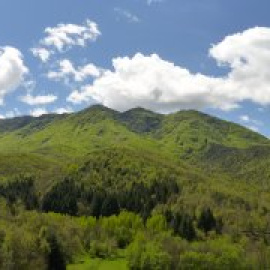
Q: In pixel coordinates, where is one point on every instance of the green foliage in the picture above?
(182, 225)
(213, 255)
(123, 227)
(21, 188)
(103, 249)
(61, 199)
(144, 254)
(168, 187)
(156, 224)
(99, 264)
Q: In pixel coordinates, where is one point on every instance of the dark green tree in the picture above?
(62, 198)
(56, 258)
(207, 221)
(110, 206)
(186, 228)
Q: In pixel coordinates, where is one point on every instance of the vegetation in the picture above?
(100, 189)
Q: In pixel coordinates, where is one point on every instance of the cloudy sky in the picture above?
(164, 55)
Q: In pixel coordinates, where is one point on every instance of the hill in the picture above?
(187, 136)
(137, 186)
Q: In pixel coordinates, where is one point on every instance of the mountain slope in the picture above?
(100, 162)
(186, 137)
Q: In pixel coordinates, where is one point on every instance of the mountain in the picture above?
(187, 136)
(50, 146)
(99, 126)
(195, 176)
(194, 146)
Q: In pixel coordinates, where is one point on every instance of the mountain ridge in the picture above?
(22, 121)
(187, 137)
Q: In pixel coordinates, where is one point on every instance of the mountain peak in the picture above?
(141, 120)
(98, 107)
(138, 110)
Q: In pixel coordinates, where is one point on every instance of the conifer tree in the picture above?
(207, 221)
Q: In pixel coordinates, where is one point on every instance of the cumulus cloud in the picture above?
(127, 15)
(248, 56)
(12, 70)
(80, 96)
(38, 100)
(42, 53)
(64, 36)
(38, 112)
(154, 83)
(67, 71)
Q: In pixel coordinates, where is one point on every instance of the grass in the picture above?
(99, 264)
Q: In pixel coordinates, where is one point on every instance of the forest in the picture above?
(99, 189)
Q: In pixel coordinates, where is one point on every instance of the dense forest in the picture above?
(133, 190)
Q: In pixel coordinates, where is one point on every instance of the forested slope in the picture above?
(190, 181)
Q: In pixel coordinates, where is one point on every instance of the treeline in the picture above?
(20, 189)
(117, 204)
(33, 240)
(68, 198)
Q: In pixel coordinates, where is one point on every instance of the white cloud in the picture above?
(63, 110)
(38, 112)
(78, 97)
(42, 53)
(244, 118)
(154, 83)
(67, 71)
(248, 120)
(12, 70)
(248, 56)
(65, 36)
(127, 15)
(38, 100)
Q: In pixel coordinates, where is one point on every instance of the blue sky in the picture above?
(155, 54)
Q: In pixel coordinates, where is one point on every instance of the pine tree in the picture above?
(186, 229)
(56, 260)
(110, 206)
(207, 221)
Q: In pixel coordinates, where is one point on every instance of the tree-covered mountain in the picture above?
(185, 134)
(186, 175)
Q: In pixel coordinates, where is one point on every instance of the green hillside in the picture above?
(131, 182)
(184, 134)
